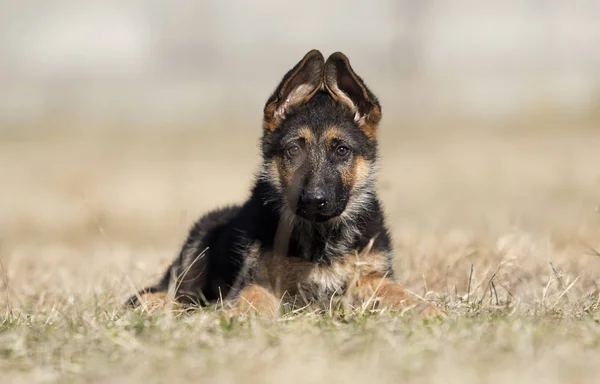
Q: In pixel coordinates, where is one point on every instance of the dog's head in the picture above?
(319, 143)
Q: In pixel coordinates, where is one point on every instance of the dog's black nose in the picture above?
(313, 201)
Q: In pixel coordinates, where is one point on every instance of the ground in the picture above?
(501, 227)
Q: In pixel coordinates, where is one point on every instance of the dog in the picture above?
(313, 231)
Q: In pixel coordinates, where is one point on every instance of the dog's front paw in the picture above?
(152, 302)
(428, 311)
(256, 300)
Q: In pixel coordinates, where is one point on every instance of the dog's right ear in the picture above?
(297, 87)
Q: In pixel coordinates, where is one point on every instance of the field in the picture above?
(500, 227)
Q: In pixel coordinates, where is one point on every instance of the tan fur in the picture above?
(270, 123)
(359, 279)
(291, 276)
(381, 292)
(331, 134)
(307, 134)
(377, 289)
(362, 169)
(357, 174)
(368, 123)
(258, 300)
(155, 301)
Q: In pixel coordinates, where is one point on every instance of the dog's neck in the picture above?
(322, 242)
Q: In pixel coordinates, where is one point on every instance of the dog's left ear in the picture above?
(297, 87)
(345, 86)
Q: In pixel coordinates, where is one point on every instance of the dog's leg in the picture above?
(388, 294)
(255, 299)
(153, 301)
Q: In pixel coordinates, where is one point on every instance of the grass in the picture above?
(82, 343)
(501, 230)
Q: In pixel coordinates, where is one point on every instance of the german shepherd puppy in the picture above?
(313, 231)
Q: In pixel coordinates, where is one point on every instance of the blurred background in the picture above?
(121, 122)
(101, 65)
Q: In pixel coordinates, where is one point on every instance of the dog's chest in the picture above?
(313, 282)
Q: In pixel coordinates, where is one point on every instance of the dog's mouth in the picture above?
(312, 215)
(320, 216)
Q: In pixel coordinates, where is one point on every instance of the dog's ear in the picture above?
(346, 87)
(297, 87)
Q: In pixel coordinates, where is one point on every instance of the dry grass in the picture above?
(499, 229)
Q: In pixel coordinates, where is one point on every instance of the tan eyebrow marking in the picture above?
(307, 134)
(357, 173)
(332, 133)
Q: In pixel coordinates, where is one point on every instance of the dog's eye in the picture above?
(342, 150)
(293, 151)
